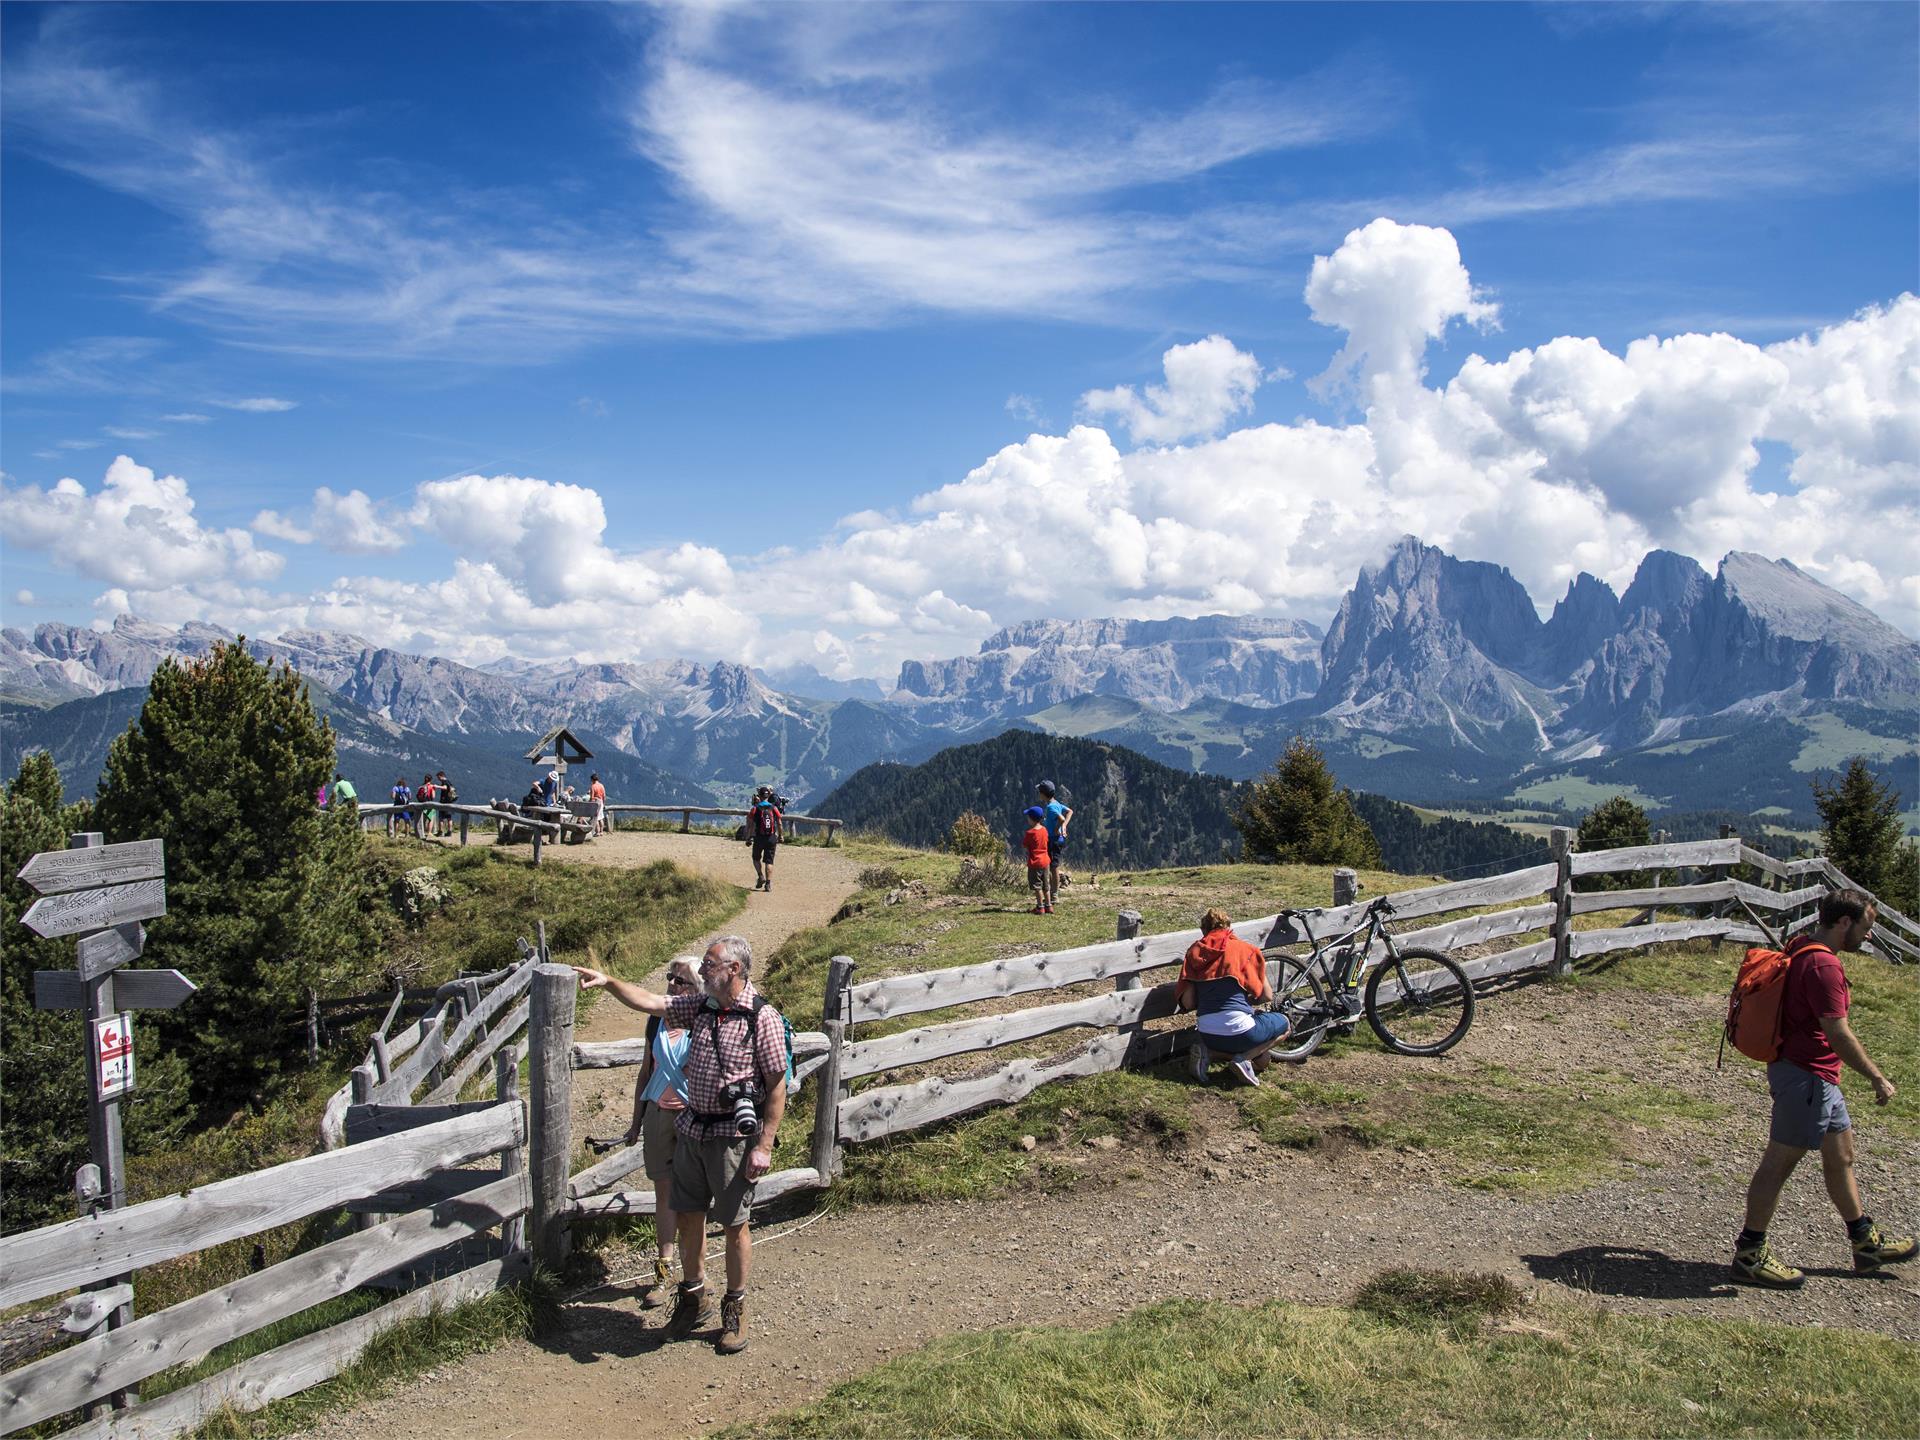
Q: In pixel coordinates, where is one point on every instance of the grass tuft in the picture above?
(1456, 1298)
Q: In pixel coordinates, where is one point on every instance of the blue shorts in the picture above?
(1267, 1025)
(1806, 1107)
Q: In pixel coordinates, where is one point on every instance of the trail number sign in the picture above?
(113, 1038)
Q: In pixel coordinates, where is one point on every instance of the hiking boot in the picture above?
(733, 1325)
(1877, 1248)
(1038, 910)
(655, 1295)
(1202, 1058)
(1758, 1265)
(1244, 1069)
(690, 1312)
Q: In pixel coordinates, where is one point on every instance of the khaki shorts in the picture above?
(658, 1139)
(710, 1178)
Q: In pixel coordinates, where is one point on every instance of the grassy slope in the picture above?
(1198, 1368)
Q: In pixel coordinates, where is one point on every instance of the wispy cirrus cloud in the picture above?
(258, 405)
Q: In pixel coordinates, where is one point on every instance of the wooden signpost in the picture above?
(101, 893)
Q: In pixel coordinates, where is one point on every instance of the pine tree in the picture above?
(265, 891)
(1860, 827)
(43, 1067)
(1297, 813)
(1613, 825)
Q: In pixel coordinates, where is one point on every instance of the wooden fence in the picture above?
(790, 823)
(451, 1199)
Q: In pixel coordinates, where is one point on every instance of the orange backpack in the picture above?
(1756, 1008)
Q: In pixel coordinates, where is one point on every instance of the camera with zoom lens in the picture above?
(744, 1099)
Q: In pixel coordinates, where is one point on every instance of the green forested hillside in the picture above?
(1128, 811)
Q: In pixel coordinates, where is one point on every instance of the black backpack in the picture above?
(766, 821)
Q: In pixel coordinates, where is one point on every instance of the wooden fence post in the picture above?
(1560, 843)
(537, 833)
(1346, 886)
(826, 1099)
(550, 1121)
(313, 1025)
(360, 1078)
(1127, 927)
(506, 1089)
(464, 817)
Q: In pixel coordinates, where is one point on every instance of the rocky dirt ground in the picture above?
(1218, 1214)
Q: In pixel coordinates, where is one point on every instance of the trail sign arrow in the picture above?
(110, 949)
(96, 909)
(53, 872)
(132, 989)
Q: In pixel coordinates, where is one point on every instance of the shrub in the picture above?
(881, 877)
(996, 872)
(972, 835)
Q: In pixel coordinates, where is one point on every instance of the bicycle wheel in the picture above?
(1298, 995)
(1427, 1009)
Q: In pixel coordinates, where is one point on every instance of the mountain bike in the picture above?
(1418, 1001)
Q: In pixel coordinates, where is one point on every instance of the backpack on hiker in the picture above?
(1757, 1004)
(766, 821)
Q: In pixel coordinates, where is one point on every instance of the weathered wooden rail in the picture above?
(687, 812)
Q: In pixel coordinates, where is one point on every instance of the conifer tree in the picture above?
(1613, 825)
(265, 891)
(1860, 828)
(1297, 813)
(43, 1067)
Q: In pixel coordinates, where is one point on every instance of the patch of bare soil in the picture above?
(1220, 1215)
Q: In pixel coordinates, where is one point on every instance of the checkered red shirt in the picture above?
(744, 1050)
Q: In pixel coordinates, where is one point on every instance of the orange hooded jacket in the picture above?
(1222, 955)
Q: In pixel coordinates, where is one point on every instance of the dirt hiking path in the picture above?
(1217, 1213)
(809, 884)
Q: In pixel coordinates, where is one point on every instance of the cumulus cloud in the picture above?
(1552, 459)
(280, 527)
(137, 530)
(1393, 288)
(1208, 383)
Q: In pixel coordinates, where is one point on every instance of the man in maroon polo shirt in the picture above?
(736, 1041)
(1809, 1112)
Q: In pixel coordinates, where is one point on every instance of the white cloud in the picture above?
(1208, 383)
(259, 405)
(1393, 288)
(120, 432)
(281, 527)
(137, 530)
(188, 417)
(1024, 407)
(1557, 458)
(23, 597)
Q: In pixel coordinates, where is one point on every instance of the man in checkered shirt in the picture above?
(734, 1037)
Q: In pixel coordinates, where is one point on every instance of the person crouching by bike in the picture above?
(1222, 979)
(736, 1098)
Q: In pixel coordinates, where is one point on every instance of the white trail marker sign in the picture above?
(101, 893)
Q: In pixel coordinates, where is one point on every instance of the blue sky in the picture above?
(730, 303)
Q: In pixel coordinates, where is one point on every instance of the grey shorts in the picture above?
(1806, 1107)
(710, 1178)
(659, 1139)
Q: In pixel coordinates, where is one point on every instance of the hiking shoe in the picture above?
(1760, 1266)
(1038, 910)
(1244, 1069)
(1202, 1058)
(655, 1295)
(733, 1325)
(690, 1312)
(1878, 1248)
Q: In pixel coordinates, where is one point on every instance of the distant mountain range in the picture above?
(1437, 682)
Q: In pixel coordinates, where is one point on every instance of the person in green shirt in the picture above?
(343, 790)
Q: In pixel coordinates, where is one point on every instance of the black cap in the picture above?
(1045, 787)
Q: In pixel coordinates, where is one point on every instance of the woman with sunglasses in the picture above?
(659, 1095)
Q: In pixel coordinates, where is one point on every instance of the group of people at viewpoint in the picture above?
(551, 790)
(1045, 843)
(403, 797)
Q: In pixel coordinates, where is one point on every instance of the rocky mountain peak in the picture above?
(1665, 581)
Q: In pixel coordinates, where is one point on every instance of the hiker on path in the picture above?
(343, 791)
(1223, 978)
(659, 1095)
(1057, 817)
(597, 793)
(763, 830)
(1034, 841)
(427, 792)
(737, 1044)
(1809, 1112)
(444, 792)
(400, 817)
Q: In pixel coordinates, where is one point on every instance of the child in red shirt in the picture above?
(1035, 841)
